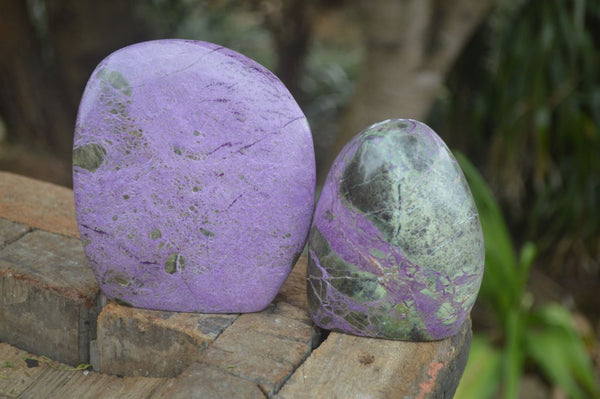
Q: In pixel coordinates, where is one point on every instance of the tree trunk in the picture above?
(410, 46)
(290, 23)
(42, 77)
(30, 99)
(83, 32)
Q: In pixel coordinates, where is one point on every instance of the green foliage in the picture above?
(481, 378)
(527, 90)
(558, 351)
(545, 336)
(544, 100)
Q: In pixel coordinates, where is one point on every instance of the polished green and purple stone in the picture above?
(396, 248)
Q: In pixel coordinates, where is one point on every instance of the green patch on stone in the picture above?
(400, 321)
(378, 254)
(207, 233)
(319, 243)
(326, 320)
(116, 80)
(155, 234)
(357, 319)
(122, 281)
(89, 156)
(174, 262)
(429, 292)
(359, 286)
(446, 313)
(196, 133)
(329, 215)
(177, 150)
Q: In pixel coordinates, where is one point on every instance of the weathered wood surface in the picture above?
(53, 380)
(201, 381)
(48, 295)
(264, 347)
(346, 366)
(38, 204)
(11, 231)
(141, 342)
(44, 279)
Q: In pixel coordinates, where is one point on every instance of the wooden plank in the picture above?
(142, 342)
(11, 231)
(48, 381)
(54, 261)
(264, 347)
(38, 204)
(15, 376)
(279, 320)
(202, 381)
(48, 297)
(102, 386)
(347, 366)
(54, 380)
(293, 290)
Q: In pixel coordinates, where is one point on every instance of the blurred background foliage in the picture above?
(528, 340)
(528, 87)
(514, 85)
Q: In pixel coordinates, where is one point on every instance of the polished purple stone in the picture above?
(396, 248)
(194, 178)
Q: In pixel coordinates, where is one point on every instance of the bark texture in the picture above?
(43, 71)
(410, 45)
(290, 23)
(30, 99)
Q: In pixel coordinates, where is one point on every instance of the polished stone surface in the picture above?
(194, 178)
(396, 248)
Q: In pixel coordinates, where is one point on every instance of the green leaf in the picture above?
(513, 359)
(526, 257)
(501, 284)
(556, 348)
(482, 374)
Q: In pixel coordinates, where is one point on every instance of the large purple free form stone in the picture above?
(194, 178)
(396, 248)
